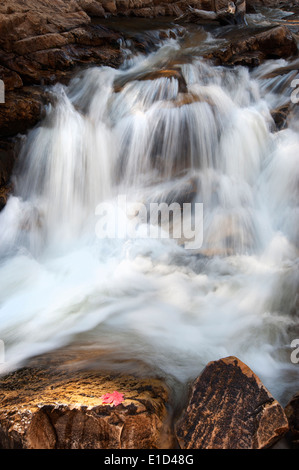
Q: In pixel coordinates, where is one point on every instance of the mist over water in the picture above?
(196, 133)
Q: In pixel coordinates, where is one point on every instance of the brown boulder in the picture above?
(174, 74)
(92, 7)
(229, 408)
(10, 78)
(22, 109)
(51, 405)
(252, 48)
(292, 413)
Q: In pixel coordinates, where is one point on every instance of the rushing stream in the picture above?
(166, 127)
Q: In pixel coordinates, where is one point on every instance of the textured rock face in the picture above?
(252, 49)
(292, 413)
(42, 42)
(55, 407)
(229, 408)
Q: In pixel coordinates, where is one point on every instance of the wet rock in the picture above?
(5, 192)
(167, 73)
(175, 74)
(22, 109)
(52, 405)
(224, 13)
(292, 413)
(280, 116)
(7, 158)
(229, 408)
(253, 47)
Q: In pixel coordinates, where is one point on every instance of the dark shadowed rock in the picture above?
(22, 109)
(51, 405)
(280, 116)
(292, 413)
(229, 408)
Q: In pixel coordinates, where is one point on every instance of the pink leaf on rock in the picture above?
(113, 399)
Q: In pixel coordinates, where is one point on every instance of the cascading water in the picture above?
(151, 131)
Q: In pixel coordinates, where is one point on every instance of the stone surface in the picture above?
(51, 405)
(292, 413)
(229, 408)
(252, 47)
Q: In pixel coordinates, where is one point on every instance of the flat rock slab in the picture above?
(58, 407)
(230, 408)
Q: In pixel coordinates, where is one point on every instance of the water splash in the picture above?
(151, 131)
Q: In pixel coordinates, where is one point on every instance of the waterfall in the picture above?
(159, 129)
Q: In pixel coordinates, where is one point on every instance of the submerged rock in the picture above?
(50, 405)
(229, 408)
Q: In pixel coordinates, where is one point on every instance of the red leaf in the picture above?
(113, 399)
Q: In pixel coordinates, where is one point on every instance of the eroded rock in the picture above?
(292, 413)
(252, 48)
(50, 405)
(229, 408)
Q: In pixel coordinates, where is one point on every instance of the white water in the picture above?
(147, 299)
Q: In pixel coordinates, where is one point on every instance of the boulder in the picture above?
(229, 408)
(22, 109)
(252, 47)
(51, 404)
(174, 74)
(10, 78)
(292, 413)
(92, 8)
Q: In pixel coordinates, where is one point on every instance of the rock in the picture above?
(229, 408)
(10, 78)
(22, 109)
(5, 192)
(92, 8)
(254, 46)
(292, 413)
(280, 116)
(39, 43)
(7, 159)
(43, 42)
(110, 6)
(51, 405)
(225, 13)
(174, 74)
